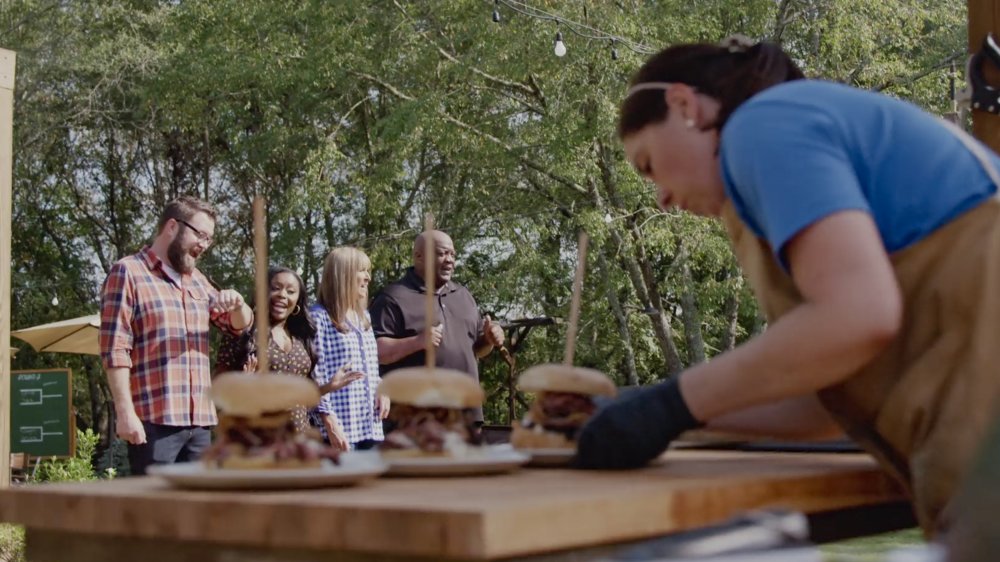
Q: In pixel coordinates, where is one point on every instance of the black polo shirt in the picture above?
(398, 312)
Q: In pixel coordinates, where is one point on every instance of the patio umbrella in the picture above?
(76, 335)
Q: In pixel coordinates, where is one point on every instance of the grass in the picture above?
(870, 549)
(11, 543)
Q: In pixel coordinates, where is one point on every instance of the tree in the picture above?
(355, 118)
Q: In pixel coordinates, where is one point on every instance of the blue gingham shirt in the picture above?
(353, 405)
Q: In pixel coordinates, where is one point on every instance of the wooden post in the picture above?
(430, 290)
(984, 16)
(7, 59)
(261, 287)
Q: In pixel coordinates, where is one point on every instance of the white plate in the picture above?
(549, 457)
(353, 469)
(486, 460)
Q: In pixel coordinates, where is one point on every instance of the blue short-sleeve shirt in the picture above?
(801, 151)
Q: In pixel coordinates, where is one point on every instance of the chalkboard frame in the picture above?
(69, 413)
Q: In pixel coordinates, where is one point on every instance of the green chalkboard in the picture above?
(41, 420)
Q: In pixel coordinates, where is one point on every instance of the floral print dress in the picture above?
(234, 350)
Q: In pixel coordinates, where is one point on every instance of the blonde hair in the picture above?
(337, 286)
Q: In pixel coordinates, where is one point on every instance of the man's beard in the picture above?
(178, 257)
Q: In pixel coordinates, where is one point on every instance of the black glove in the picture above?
(635, 429)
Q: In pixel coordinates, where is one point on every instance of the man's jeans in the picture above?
(166, 444)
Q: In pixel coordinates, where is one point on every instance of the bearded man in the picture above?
(156, 308)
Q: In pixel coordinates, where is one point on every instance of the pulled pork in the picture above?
(560, 412)
(240, 436)
(427, 428)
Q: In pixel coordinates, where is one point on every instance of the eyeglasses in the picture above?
(202, 236)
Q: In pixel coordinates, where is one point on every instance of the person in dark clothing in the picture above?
(460, 334)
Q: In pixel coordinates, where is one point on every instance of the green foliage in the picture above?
(11, 543)
(78, 468)
(113, 461)
(354, 118)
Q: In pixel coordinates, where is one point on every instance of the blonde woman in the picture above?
(350, 417)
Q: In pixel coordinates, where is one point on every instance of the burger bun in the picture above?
(432, 388)
(250, 395)
(555, 377)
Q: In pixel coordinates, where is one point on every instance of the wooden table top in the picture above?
(527, 512)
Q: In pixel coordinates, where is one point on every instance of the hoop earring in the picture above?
(296, 310)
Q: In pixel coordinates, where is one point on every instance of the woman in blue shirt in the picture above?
(870, 233)
(351, 417)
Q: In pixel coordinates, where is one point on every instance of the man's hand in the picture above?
(129, 428)
(382, 406)
(338, 439)
(227, 301)
(637, 428)
(437, 334)
(492, 332)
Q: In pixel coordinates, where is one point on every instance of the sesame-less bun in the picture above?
(437, 388)
(555, 377)
(248, 394)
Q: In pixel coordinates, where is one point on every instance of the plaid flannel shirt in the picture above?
(353, 405)
(159, 330)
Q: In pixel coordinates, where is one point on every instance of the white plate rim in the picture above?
(494, 459)
(549, 456)
(195, 475)
(547, 451)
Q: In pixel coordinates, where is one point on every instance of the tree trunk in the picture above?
(98, 404)
(691, 319)
(207, 163)
(731, 312)
(636, 264)
(631, 373)
(759, 325)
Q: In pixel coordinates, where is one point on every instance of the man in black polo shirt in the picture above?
(460, 334)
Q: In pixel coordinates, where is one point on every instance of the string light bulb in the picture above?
(581, 29)
(560, 48)
(55, 300)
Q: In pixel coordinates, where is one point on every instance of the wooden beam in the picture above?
(7, 60)
(984, 16)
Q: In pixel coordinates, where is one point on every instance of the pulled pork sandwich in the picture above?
(256, 429)
(433, 411)
(563, 403)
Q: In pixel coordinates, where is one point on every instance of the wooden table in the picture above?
(530, 512)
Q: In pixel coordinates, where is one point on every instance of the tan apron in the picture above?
(925, 403)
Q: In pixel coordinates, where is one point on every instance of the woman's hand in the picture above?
(382, 406)
(251, 363)
(340, 379)
(338, 439)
